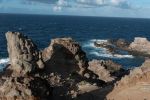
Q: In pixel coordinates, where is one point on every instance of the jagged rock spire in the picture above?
(23, 53)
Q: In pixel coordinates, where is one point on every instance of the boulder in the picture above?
(135, 86)
(23, 53)
(65, 56)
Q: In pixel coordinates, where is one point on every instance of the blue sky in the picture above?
(109, 8)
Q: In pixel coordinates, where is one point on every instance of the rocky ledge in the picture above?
(139, 47)
(135, 86)
(62, 72)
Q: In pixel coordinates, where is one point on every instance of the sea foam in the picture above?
(102, 52)
(3, 63)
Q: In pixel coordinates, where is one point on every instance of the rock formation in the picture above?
(23, 53)
(65, 56)
(98, 68)
(114, 46)
(23, 88)
(62, 71)
(135, 86)
(19, 81)
(53, 73)
(140, 45)
(107, 70)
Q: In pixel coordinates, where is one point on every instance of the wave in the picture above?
(123, 56)
(3, 62)
(102, 52)
(91, 42)
(99, 40)
(109, 55)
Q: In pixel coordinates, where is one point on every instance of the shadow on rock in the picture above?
(41, 88)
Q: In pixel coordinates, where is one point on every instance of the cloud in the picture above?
(60, 4)
(121, 3)
(24, 6)
(114, 3)
(91, 2)
(45, 1)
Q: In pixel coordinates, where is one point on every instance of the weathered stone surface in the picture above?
(23, 53)
(68, 71)
(140, 45)
(24, 88)
(135, 86)
(107, 70)
(97, 67)
(62, 58)
(111, 66)
(65, 56)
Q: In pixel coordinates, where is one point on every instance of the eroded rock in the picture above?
(140, 45)
(24, 88)
(65, 56)
(23, 53)
(97, 67)
(64, 65)
(107, 70)
(136, 85)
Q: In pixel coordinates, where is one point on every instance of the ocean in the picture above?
(85, 30)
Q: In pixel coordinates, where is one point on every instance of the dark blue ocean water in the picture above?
(42, 28)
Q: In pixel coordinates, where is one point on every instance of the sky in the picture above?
(108, 8)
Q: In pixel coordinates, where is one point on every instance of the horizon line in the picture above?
(74, 15)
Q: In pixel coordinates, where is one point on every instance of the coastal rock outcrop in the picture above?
(65, 56)
(114, 46)
(18, 80)
(62, 72)
(36, 75)
(135, 86)
(97, 67)
(23, 88)
(140, 45)
(121, 43)
(23, 53)
(107, 70)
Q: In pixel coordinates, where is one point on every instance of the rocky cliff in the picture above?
(135, 86)
(18, 81)
(55, 72)
(23, 53)
(62, 72)
(106, 70)
(65, 56)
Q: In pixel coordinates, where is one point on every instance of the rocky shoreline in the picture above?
(139, 47)
(63, 72)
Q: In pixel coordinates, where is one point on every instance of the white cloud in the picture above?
(59, 5)
(57, 8)
(99, 2)
(117, 2)
(90, 3)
